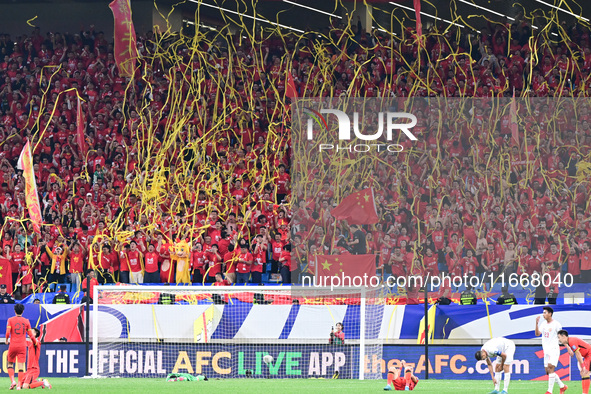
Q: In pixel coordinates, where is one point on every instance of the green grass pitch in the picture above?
(300, 386)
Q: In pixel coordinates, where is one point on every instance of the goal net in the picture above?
(151, 331)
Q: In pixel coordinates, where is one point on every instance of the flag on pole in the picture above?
(290, 88)
(357, 208)
(125, 40)
(25, 163)
(350, 265)
(419, 25)
(514, 125)
(6, 273)
(80, 129)
(430, 325)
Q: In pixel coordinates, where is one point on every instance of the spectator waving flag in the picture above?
(25, 163)
(349, 265)
(125, 40)
(357, 208)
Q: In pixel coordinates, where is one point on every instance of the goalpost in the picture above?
(151, 331)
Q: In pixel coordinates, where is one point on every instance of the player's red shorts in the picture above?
(17, 352)
(32, 375)
(400, 384)
(587, 362)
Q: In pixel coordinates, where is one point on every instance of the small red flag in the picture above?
(6, 273)
(357, 208)
(290, 88)
(346, 265)
(80, 129)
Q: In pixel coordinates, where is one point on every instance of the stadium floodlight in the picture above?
(429, 15)
(565, 11)
(313, 9)
(246, 16)
(386, 31)
(200, 25)
(226, 331)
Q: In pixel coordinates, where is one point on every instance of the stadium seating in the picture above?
(130, 184)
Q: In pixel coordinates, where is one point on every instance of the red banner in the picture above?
(350, 265)
(25, 163)
(357, 208)
(125, 40)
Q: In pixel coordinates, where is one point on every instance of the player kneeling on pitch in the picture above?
(504, 350)
(407, 382)
(31, 378)
(582, 351)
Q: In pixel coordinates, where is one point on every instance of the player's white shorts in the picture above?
(510, 352)
(551, 358)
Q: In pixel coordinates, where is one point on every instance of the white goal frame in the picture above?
(362, 342)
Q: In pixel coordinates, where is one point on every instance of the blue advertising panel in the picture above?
(57, 359)
(459, 362)
(229, 361)
(290, 361)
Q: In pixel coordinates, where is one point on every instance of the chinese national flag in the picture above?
(357, 208)
(346, 265)
(290, 88)
(80, 129)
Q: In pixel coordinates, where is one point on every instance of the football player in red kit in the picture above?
(32, 374)
(17, 329)
(401, 383)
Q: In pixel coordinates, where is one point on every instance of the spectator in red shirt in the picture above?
(220, 281)
(214, 262)
(198, 263)
(277, 245)
(285, 263)
(260, 258)
(243, 264)
(91, 279)
(152, 265)
(230, 259)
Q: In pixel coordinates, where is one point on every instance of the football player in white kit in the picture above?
(548, 328)
(504, 350)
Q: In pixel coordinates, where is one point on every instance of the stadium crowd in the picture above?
(188, 172)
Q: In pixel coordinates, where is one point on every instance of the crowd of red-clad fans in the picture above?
(473, 215)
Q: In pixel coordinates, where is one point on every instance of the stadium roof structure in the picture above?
(298, 15)
(314, 15)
